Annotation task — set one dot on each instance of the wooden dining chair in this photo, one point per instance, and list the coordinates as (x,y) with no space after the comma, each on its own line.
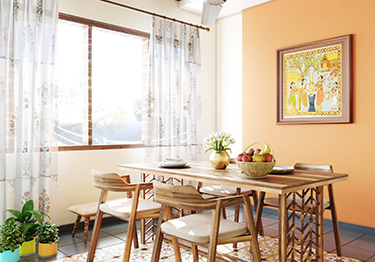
(128,209)
(226,191)
(148,226)
(327,204)
(201,229)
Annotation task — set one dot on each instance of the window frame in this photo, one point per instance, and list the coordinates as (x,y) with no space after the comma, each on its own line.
(92,23)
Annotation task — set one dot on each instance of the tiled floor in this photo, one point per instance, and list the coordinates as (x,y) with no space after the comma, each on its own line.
(358,242)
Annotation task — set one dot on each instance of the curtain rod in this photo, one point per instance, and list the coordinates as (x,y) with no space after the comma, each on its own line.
(154,14)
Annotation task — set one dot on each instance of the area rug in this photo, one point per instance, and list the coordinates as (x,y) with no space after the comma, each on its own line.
(268,249)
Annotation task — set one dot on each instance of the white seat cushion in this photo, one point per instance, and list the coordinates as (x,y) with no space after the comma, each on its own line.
(121,208)
(197,228)
(222,191)
(85,210)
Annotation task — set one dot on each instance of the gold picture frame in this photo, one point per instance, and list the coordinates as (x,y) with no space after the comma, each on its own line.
(314,82)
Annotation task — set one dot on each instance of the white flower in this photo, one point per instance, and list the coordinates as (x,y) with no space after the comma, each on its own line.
(219,141)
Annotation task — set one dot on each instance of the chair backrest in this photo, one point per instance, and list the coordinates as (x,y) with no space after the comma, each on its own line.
(111,181)
(181,196)
(313,167)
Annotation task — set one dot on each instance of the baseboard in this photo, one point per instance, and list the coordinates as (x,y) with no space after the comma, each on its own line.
(68,228)
(328,222)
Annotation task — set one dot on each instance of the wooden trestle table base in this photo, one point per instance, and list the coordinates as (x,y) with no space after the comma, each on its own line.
(301,241)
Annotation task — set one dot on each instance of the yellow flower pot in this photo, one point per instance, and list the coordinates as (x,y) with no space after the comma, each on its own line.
(27,248)
(47,250)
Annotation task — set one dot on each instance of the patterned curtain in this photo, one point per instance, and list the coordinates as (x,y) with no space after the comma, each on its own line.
(174,102)
(28,122)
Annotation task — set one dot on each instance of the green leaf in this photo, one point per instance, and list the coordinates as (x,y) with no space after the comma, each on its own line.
(10,220)
(28,206)
(211,148)
(26,227)
(38,215)
(16,213)
(26,215)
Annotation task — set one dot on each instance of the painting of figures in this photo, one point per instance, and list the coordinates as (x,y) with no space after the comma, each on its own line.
(314,82)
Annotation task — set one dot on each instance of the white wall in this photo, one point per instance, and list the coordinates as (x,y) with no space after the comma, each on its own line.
(75,184)
(229,78)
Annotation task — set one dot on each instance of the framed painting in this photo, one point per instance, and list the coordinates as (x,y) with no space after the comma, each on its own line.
(314,82)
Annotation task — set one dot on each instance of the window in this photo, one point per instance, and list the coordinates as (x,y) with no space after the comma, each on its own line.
(104,110)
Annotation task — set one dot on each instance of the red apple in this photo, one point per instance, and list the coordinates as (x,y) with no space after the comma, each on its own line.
(268,157)
(246,158)
(239,157)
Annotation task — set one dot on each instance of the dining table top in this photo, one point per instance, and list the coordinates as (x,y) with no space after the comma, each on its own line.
(202,171)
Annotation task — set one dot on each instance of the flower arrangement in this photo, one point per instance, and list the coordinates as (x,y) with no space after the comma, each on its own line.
(219,141)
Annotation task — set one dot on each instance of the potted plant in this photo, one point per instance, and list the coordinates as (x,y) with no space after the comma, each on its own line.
(48,237)
(28,218)
(10,241)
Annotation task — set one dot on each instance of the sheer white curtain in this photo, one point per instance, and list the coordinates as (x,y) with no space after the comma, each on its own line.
(28,126)
(174,102)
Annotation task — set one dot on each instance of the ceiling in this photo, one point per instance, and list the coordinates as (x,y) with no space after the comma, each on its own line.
(229,7)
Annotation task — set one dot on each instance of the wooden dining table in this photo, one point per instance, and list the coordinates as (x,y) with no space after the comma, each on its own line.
(296,242)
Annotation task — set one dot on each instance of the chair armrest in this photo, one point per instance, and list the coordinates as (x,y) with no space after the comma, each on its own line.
(146,185)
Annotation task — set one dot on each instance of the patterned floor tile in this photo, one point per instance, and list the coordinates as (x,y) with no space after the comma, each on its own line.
(268,249)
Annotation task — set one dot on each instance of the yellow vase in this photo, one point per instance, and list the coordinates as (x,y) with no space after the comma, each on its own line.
(219,159)
(27,248)
(47,250)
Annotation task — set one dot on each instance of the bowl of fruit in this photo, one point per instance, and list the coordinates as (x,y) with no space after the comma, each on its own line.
(256,162)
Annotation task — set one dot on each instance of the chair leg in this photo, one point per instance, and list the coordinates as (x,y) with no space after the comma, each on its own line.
(335,222)
(135,237)
(194,249)
(224,213)
(259,223)
(157,246)
(176,248)
(159,238)
(132,227)
(143,231)
(128,242)
(78,219)
(95,236)
(236,219)
(86,229)
(214,232)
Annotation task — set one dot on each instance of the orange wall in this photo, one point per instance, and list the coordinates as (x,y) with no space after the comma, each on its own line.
(350,148)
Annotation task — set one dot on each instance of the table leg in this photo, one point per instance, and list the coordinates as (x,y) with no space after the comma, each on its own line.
(258,213)
(320,229)
(283,220)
